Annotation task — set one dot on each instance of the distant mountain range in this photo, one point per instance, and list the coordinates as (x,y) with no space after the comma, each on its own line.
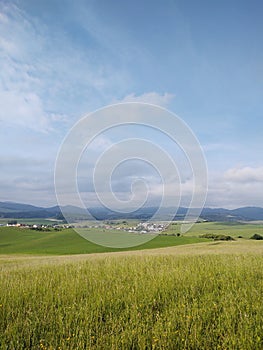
(26,211)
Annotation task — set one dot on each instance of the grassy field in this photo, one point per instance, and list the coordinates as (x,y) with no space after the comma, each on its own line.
(169,298)
(235,229)
(204,295)
(25,241)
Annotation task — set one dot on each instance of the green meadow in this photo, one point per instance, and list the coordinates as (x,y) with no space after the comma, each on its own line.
(15,240)
(133,301)
(57,292)
(234,229)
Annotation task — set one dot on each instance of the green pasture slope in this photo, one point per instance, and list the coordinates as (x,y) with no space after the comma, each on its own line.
(25,241)
(234,229)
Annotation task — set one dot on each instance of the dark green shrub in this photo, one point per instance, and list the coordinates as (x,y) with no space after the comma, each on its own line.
(217,237)
(223,238)
(257,237)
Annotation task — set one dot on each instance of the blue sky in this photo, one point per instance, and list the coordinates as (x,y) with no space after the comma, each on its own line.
(203,60)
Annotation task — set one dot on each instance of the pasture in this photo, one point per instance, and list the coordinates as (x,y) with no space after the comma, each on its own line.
(15,240)
(234,229)
(200,296)
(203,295)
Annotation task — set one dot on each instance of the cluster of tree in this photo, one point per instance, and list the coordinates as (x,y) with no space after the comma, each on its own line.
(217,237)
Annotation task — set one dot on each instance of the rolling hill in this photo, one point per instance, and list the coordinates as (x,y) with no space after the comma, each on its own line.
(27,211)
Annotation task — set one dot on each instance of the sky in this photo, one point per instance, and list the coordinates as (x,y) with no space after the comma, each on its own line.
(201,60)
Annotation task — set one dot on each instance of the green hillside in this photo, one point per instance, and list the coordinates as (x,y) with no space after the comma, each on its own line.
(25,241)
(15,240)
(234,229)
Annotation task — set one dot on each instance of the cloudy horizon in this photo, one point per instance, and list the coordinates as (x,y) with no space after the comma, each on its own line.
(63,60)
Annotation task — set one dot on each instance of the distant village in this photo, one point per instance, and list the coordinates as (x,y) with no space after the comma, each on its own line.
(141,227)
(145,227)
(36,226)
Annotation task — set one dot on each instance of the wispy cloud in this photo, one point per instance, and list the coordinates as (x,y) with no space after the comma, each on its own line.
(55,70)
(21,88)
(24,109)
(154,98)
(45,77)
(245,175)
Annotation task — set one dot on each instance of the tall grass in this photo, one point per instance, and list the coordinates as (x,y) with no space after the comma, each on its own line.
(134,302)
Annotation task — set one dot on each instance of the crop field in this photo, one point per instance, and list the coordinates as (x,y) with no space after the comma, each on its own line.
(176,298)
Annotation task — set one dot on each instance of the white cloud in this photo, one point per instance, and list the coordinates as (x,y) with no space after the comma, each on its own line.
(21,101)
(24,110)
(45,76)
(236,187)
(100,144)
(150,97)
(36,193)
(3,18)
(245,175)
